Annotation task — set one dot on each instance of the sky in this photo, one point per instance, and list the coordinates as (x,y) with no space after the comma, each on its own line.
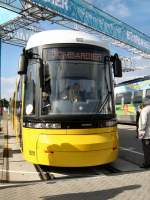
(135,13)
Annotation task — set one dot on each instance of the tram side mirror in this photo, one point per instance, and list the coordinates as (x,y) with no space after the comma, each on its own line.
(117,65)
(23,63)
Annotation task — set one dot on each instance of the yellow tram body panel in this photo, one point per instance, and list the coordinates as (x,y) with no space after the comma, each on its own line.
(70,147)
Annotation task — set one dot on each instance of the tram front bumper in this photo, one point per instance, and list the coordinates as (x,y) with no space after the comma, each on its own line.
(75,150)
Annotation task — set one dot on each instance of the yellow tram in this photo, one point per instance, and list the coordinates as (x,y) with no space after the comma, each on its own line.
(65,108)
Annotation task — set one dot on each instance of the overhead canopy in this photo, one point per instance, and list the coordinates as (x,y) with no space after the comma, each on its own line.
(86,14)
(6,15)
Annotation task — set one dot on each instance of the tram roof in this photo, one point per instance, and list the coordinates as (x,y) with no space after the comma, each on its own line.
(133,81)
(64,36)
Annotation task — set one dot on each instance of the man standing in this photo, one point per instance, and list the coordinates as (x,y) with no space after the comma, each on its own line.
(137,118)
(144,132)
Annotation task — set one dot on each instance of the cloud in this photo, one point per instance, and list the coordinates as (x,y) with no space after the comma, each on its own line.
(7,87)
(117,8)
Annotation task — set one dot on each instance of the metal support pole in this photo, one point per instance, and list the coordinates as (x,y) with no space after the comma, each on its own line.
(0,80)
(0,68)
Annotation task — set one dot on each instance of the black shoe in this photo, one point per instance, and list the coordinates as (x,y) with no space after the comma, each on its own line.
(145,166)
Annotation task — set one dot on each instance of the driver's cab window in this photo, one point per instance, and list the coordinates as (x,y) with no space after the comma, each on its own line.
(46,90)
(31,80)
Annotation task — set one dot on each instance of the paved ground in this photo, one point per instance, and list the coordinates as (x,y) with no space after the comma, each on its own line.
(15,168)
(132,186)
(2,145)
(130,146)
(1,152)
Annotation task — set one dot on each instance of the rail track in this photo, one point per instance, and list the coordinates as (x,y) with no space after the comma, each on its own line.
(50,173)
(43,172)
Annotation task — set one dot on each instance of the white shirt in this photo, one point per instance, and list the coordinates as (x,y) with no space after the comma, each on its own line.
(144,123)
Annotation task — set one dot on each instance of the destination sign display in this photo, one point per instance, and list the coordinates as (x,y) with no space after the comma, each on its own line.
(76,54)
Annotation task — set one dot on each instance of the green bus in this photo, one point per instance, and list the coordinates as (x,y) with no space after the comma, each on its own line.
(128,97)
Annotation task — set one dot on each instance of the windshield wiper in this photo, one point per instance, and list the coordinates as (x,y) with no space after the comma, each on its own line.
(108,94)
(104,102)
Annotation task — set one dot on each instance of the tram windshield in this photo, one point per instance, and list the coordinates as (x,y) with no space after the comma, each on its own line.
(77,82)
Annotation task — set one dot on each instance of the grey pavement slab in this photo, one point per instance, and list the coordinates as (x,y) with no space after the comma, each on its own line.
(19,169)
(2,145)
(125,166)
(127,186)
(130,146)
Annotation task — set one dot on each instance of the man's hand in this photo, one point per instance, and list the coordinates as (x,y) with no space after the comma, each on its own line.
(141,136)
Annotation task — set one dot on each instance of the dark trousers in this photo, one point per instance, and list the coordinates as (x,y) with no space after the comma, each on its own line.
(137,122)
(146,150)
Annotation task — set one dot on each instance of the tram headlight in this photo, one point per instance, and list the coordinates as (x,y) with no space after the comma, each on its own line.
(38,125)
(42,125)
(53,125)
(111,123)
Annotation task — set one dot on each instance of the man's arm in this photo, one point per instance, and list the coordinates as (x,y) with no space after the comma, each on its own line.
(142,124)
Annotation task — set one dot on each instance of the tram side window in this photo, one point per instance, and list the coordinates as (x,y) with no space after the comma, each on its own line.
(46,91)
(30,89)
(147,96)
(127,97)
(118,99)
(19,100)
(137,98)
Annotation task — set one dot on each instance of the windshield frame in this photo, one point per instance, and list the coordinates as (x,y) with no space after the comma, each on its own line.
(109,71)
